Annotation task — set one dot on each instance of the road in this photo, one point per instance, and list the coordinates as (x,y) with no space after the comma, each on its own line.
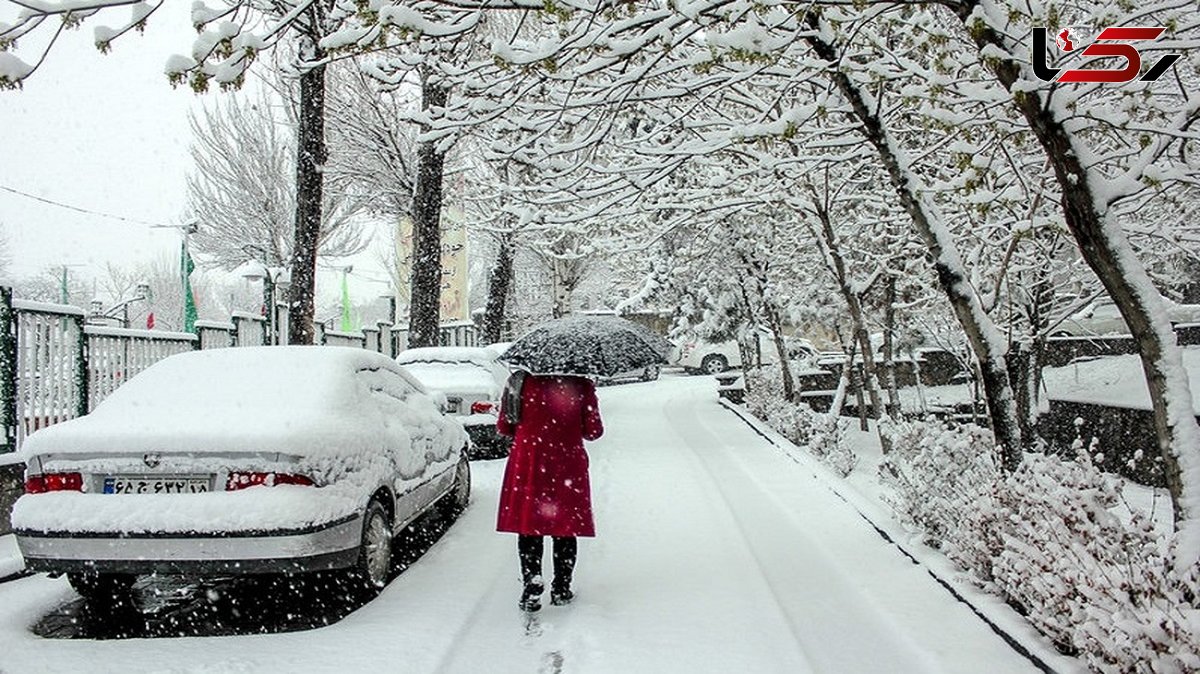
(715,553)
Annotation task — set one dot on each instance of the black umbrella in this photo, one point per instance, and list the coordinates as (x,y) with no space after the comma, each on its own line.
(587,345)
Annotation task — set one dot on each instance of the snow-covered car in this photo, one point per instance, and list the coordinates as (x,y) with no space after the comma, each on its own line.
(241,461)
(714,357)
(1103,318)
(471,379)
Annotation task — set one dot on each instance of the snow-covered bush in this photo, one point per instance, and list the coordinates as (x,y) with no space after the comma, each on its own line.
(1056,540)
(944,480)
(819,433)
(1095,580)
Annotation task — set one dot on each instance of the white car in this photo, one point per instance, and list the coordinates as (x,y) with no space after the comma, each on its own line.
(241,461)
(715,357)
(471,379)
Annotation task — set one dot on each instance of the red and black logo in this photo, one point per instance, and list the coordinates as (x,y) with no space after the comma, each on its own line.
(1110,42)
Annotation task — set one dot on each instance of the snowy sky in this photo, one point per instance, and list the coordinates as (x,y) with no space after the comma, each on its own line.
(109,134)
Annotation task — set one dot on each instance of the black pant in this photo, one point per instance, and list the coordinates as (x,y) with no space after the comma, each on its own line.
(530,550)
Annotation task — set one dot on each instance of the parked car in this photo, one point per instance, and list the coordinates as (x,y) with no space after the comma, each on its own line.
(249,460)
(648,373)
(715,357)
(472,379)
(1103,318)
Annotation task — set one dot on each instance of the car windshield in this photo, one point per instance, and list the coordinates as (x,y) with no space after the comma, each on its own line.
(452,376)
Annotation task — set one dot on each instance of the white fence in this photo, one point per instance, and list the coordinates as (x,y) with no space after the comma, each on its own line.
(56,367)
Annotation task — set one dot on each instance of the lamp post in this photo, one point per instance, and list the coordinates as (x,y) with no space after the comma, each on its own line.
(98,312)
(272,278)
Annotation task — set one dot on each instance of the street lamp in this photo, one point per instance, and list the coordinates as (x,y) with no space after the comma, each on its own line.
(98,312)
(271,277)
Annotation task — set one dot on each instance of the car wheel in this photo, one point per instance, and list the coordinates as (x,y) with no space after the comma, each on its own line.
(460,492)
(103,587)
(651,373)
(714,363)
(370,573)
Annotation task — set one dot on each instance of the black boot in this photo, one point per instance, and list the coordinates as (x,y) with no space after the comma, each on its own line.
(529,549)
(565,550)
(531,596)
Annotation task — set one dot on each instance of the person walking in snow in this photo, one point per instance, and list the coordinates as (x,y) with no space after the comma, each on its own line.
(546,491)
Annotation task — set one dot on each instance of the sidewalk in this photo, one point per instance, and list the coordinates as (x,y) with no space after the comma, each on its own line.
(11,563)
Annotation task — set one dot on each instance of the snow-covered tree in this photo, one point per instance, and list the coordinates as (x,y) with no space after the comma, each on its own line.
(241,185)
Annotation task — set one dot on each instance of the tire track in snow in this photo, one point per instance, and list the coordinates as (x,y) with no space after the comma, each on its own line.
(880,632)
(700,466)
(1010,639)
(453,651)
(681,593)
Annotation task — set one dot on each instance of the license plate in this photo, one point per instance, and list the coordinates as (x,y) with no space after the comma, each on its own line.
(157,484)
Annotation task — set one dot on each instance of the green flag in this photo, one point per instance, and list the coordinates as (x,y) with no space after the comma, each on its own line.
(347,323)
(186,266)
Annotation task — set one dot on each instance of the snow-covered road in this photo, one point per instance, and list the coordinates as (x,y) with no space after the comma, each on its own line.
(716,553)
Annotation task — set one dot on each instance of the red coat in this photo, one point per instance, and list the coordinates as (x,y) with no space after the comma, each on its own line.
(546,490)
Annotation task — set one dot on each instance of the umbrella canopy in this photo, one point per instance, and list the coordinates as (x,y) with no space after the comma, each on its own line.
(587,345)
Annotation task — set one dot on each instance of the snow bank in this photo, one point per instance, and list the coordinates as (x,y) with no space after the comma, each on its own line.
(11,562)
(1117,381)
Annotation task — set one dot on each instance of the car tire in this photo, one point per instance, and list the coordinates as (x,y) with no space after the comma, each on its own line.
(104,587)
(456,501)
(370,572)
(502,448)
(651,373)
(714,363)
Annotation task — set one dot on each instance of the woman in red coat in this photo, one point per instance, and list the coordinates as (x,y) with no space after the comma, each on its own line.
(546,490)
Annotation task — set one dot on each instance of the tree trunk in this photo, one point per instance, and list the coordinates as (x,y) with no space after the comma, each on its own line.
(1020,370)
(776,326)
(562,293)
(839,396)
(1106,249)
(863,338)
(985,340)
(856,380)
(426,284)
(889,346)
(499,283)
(311,154)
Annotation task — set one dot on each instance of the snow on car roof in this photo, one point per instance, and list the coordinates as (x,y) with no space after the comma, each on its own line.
(455,377)
(448,354)
(290,399)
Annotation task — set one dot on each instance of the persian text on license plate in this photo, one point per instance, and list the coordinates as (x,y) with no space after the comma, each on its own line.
(157,484)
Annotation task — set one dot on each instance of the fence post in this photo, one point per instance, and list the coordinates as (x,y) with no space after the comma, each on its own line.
(283,319)
(81,368)
(387,346)
(8,368)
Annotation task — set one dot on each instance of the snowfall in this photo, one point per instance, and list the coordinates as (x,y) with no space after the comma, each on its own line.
(720,548)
